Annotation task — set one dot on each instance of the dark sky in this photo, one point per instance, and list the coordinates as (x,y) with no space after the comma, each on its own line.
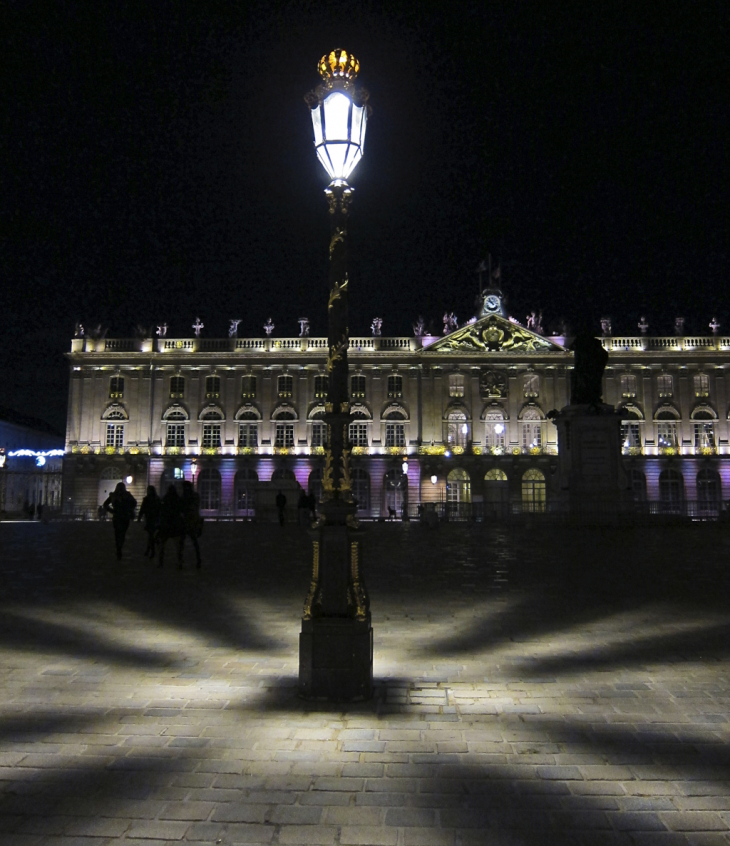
(158,165)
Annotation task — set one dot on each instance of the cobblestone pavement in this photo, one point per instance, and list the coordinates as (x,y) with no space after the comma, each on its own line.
(534,686)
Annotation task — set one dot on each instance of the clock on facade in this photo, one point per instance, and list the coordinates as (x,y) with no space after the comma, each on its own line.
(492,303)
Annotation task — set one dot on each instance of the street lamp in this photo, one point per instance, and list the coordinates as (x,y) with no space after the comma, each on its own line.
(336,640)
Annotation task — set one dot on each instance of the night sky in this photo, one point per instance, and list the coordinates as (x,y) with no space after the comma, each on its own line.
(158,165)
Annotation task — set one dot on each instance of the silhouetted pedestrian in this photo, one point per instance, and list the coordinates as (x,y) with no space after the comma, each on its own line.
(150,510)
(303,508)
(312,500)
(100,513)
(192,523)
(121,505)
(39,510)
(171,521)
(280,506)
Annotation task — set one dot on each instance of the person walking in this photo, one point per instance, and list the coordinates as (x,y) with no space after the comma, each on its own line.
(150,510)
(192,523)
(171,524)
(280,506)
(121,505)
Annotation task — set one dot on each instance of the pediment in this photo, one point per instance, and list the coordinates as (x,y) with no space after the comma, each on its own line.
(493,333)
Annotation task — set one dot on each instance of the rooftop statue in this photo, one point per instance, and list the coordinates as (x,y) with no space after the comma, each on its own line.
(376,326)
(233,328)
(586,381)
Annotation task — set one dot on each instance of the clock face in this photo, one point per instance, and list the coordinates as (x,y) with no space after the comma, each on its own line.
(492,303)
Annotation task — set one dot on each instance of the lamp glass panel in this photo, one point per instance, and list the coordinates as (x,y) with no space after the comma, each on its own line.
(353,156)
(336,117)
(358,124)
(337,153)
(317,124)
(325,159)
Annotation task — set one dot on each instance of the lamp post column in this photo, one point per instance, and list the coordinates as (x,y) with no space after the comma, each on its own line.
(335,644)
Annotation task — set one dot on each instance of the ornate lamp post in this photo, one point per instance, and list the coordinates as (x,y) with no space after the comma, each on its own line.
(335,644)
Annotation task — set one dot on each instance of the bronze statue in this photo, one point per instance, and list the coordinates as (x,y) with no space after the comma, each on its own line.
(586,381)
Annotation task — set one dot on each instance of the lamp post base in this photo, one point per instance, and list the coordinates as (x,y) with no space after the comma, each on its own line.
(336,659)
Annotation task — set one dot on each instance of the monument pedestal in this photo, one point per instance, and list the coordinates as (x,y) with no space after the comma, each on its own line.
(336,639)
(593,482)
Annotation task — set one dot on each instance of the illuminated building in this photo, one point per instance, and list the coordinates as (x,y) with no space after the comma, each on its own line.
(31,455)
(468,410)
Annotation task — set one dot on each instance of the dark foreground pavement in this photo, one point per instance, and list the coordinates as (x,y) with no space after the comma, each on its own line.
(534,686)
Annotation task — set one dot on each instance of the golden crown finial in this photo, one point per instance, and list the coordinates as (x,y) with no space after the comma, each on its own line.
(339,64)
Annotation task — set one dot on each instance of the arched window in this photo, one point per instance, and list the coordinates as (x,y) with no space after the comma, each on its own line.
(533,490)
(495,438)
(361,488)
(245,487)
(395,492)
(666,430)
(671,491)
(496,493)
(283,473)
(456,429)
(458,493)
(531,430)
(395,431)
(209,489)
(709,491)
(703,430)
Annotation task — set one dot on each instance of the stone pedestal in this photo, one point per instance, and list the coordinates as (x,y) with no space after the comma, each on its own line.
(336,659)
(336,640)
(592,478)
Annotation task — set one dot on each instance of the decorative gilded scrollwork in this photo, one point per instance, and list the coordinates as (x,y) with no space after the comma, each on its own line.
(328,484)
(494,334)
(345,478)
(358,595)
(314,583)
(337,291)
(338,237)
(336,353)
(345,408)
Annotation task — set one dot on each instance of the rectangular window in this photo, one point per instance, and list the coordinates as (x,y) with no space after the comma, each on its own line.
(211,435)
(176,434)
(284,435)
(704,435)
(285,386)
(177,387)
(248,387)
(666,431)
(248,435)
(357,387)
(319,434)
(321,384)
(115,435)
(531,386)
(532,435)
(212,387)
(664,384)
(395,387)
(702,385)
(630,436)
(628,386)
(358,434)
(395,434)
(495,436)
(456,385)
(116,387)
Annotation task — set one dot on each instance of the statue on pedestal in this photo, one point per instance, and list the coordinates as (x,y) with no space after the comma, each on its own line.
(586,382)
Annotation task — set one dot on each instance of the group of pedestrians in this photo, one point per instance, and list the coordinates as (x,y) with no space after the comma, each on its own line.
(173,516)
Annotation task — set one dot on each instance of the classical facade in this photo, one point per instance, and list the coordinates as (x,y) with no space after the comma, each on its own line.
(461,420)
